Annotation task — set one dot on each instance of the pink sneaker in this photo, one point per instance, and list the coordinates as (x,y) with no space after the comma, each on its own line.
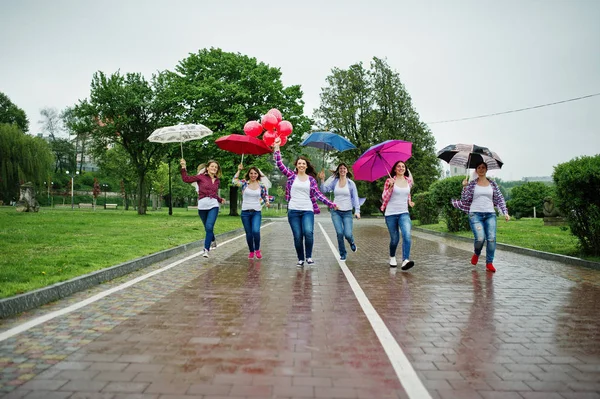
(251,255)
(258,254)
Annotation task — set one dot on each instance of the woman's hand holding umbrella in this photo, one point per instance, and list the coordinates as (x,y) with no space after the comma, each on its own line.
(182,163)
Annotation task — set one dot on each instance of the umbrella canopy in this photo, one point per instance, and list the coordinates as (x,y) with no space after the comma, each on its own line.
(241,144)
(328,141)
(179,134)
(379,160)
(469,156)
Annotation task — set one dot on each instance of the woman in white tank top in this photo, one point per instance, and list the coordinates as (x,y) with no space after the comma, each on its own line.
(395,201)
(254,194)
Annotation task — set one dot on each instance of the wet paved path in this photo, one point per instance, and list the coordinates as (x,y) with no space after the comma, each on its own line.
(231,327)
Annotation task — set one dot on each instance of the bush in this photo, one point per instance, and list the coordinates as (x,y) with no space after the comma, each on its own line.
(577,188)
(527,196)
(443,191)
(425,209)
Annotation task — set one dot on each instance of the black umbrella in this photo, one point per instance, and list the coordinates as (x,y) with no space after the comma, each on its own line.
(469,156)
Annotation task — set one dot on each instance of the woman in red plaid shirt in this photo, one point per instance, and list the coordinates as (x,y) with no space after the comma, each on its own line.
(395,201)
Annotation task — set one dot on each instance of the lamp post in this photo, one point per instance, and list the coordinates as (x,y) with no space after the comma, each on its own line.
(72,180)
(48,185)
(105,187)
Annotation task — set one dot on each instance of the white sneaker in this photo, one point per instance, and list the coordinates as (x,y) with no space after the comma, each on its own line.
(407,264)
(300,263)
(205,253)
(393,262)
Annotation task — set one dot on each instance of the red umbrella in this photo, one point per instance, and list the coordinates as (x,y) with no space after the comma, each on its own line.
(241,144)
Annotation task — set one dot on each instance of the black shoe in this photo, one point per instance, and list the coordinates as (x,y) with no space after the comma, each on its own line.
(342,257)
(300,263)
(309,261)
(353,247)
(407,264)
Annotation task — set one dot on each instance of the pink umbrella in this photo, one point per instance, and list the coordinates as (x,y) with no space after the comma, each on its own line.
(379,160)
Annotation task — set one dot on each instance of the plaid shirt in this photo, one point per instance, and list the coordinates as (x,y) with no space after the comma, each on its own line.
(244,183)
(388,190)
(464,204)
(314,187)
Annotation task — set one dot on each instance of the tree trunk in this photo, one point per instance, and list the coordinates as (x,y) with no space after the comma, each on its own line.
(142,200)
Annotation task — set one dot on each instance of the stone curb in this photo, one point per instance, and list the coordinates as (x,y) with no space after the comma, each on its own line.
(31,300)
(570,260)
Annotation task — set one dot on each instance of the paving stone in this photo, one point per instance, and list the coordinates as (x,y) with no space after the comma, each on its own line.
(227,326)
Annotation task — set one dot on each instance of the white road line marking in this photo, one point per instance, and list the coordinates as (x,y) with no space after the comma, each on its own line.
(47,317)
(406,374)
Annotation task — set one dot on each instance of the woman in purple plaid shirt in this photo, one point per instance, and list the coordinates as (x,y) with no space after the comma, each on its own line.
(478,199)
(301,193)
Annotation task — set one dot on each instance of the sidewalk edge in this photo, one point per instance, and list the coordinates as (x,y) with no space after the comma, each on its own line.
(570,260)
(30,300)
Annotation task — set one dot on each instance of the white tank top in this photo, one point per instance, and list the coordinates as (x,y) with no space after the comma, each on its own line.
(251,199)
(300,196)
(398,202)
(342,197)
(483,199)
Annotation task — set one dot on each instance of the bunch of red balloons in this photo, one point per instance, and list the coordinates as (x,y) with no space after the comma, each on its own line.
(274,126)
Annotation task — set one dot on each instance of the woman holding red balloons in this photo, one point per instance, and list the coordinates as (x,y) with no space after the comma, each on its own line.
(301,192)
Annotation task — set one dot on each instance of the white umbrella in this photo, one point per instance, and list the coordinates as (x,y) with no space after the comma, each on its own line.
(179,134)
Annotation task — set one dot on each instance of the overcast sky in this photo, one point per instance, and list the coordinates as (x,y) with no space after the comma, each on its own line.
(456,58)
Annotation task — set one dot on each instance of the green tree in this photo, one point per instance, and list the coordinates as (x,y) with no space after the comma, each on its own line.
(577,188)
(80,127)
(23,158)
(116,164)
(126,112)
(527,196)
(11,114)
(443,191)
(371,106)
(223,91)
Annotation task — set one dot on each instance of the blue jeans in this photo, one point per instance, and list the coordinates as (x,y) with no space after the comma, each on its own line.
(342,221)
(302,224)
(208,217)
(399,222)
(483,225)
(251,221)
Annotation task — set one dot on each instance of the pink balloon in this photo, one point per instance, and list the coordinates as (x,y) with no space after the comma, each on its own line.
(275,111)
(253,128)
(269,137)
(283,140)
(269,121)
(284,128)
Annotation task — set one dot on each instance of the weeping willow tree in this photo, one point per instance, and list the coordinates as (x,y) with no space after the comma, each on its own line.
(23,158)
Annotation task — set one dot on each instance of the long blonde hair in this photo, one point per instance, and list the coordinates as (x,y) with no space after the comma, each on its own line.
(202,168)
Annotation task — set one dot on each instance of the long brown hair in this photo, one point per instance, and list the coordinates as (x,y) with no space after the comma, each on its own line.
(393,171)
(337,171)
(252,168)
(310,170)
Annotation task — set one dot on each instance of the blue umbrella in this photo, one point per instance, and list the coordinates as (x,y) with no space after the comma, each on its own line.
(328,141)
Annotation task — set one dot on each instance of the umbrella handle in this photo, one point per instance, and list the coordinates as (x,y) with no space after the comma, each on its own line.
(181,144)
(242,158)
(468,162)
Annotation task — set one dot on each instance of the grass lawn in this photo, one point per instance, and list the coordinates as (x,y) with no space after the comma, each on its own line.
(53,245)
(528,233)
